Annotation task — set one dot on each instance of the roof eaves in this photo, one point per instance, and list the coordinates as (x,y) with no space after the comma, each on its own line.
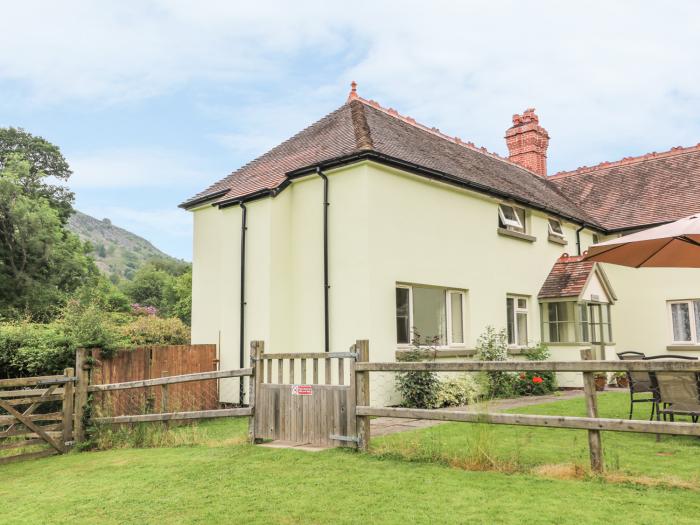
(197,201)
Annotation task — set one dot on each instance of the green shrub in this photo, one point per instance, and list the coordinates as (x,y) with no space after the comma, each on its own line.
(457,391)
(28,349)
(418,389)
(492,346)
(152,330)
(536,383)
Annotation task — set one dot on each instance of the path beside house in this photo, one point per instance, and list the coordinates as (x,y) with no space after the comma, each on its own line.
(383,426)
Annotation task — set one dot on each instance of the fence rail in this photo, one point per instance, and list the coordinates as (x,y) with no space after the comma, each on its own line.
(534,366)
(592,423)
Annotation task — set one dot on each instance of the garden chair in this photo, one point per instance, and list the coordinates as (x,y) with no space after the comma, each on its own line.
(639,383)
(679,392)
(679,388)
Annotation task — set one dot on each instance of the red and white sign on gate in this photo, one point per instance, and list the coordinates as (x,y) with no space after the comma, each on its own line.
(302,390)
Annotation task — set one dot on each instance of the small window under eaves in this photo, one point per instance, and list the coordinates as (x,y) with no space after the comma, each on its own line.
(511,218)
(555,228)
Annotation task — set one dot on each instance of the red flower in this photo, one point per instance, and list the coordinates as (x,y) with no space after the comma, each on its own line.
(537,380)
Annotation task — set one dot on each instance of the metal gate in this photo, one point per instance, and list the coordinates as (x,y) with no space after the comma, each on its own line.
(306,398)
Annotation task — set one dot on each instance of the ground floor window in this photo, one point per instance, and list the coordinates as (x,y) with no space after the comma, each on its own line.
(685,321)
(516,320)
(576,322)
(433,313)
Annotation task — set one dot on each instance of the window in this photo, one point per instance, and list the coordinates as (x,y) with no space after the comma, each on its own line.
(685,321)
(555,229)
(576,322)
(511,218)
(516,320)
(596,239)
(434,314)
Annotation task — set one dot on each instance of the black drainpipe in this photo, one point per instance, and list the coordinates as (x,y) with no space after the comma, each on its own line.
(578,239)
(326,286)
(244,227)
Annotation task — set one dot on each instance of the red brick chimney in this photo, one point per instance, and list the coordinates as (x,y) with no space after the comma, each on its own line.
(527,142)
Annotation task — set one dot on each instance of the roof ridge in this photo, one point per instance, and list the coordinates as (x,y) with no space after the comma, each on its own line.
(432,130)
(363,133)
(626,161)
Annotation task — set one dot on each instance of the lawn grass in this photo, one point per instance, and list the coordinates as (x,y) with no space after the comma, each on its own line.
(219,481)
(674,459)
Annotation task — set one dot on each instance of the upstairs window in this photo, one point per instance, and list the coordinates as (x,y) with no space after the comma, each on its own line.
(433,313)
(511,218)
(685,321)
(555,229)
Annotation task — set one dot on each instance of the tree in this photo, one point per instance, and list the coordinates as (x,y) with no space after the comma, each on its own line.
(44,160)
(151,287)
(40,261)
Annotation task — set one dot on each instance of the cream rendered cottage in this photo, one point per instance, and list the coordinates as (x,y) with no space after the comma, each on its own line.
(368,225)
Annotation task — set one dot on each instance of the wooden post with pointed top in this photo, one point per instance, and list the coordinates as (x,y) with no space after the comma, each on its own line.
(82,374)
(362,396)
(257,349)
(595,444)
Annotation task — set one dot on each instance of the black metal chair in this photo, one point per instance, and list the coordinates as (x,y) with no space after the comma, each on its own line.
(676,393)
(639,383)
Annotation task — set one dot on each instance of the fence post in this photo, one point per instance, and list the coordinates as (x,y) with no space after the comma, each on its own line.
(362,396)
(82,372)
(595,444)
(68,406)
(256,351)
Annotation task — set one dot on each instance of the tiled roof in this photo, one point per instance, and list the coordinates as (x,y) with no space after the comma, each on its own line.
(638,191)
(567,278)
(363,126)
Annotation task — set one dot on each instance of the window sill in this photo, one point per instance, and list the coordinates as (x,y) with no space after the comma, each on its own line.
(516,235)
(683,348)
(557,240)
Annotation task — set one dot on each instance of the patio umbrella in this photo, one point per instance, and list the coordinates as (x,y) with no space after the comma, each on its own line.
(673,245)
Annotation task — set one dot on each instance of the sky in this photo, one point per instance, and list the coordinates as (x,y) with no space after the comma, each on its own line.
(153,100)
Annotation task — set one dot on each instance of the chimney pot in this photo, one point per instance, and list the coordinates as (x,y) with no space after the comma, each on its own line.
(527,142)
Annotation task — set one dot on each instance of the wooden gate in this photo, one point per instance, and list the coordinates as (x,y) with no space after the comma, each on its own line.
(36,416)
(306,398)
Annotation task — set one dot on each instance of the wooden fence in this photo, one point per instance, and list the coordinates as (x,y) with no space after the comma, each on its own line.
(152,362)
(592,423)
(38,416)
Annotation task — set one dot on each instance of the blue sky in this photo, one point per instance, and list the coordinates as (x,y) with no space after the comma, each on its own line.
(151,101)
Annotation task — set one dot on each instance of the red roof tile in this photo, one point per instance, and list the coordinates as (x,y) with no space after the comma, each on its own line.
(638,191)
(364,126)
(567,278)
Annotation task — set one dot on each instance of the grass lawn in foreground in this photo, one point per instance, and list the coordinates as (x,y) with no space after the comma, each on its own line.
(220,482)
(522,448)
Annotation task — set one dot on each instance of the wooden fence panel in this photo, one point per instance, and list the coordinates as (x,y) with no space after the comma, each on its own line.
(153,362)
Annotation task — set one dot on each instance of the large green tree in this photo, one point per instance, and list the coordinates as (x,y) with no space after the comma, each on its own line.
(45,163)
(40,261)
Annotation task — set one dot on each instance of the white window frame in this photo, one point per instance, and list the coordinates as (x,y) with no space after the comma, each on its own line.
(693,329)
(448,314)
(511,223)
(558,234)
(516,311)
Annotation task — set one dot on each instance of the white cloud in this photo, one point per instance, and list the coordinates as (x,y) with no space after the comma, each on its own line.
(136,168)
(608,78)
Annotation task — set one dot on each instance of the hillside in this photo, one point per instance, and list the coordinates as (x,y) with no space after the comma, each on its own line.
(117,252)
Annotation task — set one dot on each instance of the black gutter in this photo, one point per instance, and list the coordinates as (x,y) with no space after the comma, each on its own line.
(201,200)
(326,286)
(578,239)
(241,361)
(394,162)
